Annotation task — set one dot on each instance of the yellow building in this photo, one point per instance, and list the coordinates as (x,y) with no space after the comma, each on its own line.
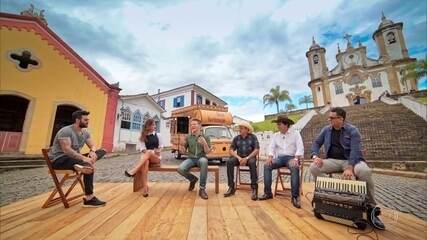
(42,81)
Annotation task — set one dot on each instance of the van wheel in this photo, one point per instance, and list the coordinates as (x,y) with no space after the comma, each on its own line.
(177,155)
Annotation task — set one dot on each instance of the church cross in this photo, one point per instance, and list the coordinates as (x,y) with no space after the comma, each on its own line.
(24,59)
(347,37)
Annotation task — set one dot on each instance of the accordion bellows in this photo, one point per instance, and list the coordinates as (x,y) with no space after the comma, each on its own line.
(341,201)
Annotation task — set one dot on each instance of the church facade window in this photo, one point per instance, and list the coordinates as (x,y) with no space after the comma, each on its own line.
(338,88)
(136,120)
(125,123)
(391,38)
(316,59)
(376,82)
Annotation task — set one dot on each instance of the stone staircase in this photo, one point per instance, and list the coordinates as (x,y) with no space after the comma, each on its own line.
(20,160)
(391,134)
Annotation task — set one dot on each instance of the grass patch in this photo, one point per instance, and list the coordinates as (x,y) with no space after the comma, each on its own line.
(423,100)
(267,125)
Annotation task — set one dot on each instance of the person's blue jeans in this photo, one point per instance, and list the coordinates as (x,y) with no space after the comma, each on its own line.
(281,161)
(202,163)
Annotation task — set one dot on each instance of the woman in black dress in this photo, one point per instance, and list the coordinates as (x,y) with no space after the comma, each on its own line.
(151,147)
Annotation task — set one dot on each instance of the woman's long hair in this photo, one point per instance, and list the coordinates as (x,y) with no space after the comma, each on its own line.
(145,131)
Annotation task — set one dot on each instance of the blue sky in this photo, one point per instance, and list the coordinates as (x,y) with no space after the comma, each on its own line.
(238,50)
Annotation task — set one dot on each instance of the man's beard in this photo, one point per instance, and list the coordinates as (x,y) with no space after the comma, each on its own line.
(83,125)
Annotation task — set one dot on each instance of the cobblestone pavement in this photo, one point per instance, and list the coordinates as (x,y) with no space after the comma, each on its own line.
(399,193)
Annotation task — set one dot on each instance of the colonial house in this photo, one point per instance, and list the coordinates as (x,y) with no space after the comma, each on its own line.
(42,81)
(187,95)
(132,112)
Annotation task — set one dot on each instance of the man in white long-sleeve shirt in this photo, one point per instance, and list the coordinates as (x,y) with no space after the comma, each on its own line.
(286,147)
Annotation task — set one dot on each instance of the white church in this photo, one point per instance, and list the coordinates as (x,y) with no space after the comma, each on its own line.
(358,79)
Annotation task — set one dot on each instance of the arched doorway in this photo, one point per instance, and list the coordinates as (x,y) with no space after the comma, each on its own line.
(13,110)
(62,119)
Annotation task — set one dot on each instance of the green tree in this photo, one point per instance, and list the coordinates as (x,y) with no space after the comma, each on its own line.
(275,96)
(415,70)
(289,107)
(307,99)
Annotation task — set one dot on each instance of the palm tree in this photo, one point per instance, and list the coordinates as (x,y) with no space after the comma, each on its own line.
(289,107)
(307,99)
(276,96)
(415,70)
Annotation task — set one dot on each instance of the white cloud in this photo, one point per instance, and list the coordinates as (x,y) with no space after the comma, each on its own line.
(232,48)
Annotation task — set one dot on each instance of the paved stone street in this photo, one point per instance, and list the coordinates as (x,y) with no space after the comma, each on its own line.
(403,194)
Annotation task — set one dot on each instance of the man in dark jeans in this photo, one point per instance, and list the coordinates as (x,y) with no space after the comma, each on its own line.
(65,154)
(243,150)
(285,150)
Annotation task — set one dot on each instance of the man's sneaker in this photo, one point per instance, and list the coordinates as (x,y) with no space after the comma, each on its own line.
(192,184)
(83,169)
(93,202)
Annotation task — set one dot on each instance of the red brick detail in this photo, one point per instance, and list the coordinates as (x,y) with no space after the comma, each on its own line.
(110,120)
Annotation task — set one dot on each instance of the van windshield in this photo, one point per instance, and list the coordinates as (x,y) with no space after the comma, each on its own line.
(218,132)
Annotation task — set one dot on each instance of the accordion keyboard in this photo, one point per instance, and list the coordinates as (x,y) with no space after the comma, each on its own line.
(340,185)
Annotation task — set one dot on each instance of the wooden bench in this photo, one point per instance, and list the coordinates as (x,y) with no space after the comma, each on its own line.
(137,179)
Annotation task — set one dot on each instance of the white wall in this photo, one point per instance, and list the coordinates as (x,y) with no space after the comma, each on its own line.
(394,50)
(129,136)
(319,95)
(340,100)
(416,107)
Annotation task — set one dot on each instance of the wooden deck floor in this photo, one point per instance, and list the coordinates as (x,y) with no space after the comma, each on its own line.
(171,212)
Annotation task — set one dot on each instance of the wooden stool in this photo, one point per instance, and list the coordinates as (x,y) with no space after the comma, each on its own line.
(59,183)
(238,181)
(284,171)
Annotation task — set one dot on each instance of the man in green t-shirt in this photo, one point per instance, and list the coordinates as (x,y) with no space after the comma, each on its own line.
(196,147)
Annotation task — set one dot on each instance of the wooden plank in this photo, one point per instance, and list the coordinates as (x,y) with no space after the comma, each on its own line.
(104,229)
(92,214)
(243,205)
(116,211)
(54,217)
(181,224)
(198,226)
(284,227)
(234,226)
(129,223)
(32,211)
(148,222)
(171,212)
(164,222)
(173,168)
(297,221)
(215,221)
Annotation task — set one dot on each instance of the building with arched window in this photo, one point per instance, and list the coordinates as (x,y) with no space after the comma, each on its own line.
(42,81)
(132,112)
(357,78)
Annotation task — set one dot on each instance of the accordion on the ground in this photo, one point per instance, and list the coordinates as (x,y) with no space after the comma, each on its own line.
(341,201)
